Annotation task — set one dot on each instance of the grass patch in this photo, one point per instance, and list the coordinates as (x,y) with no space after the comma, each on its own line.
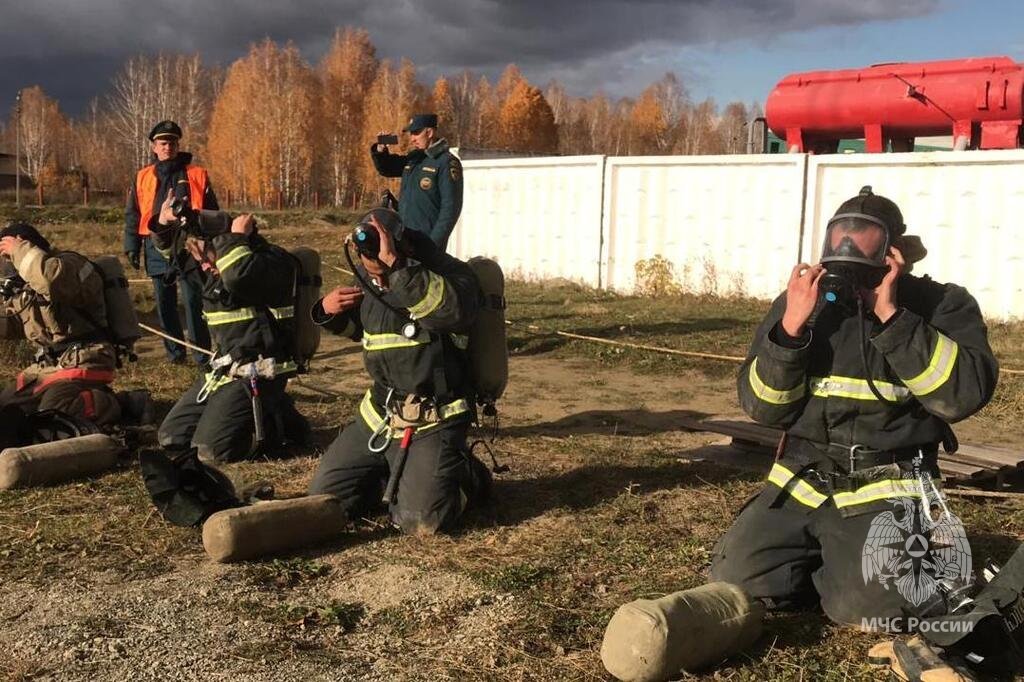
(285,573)
(343,615)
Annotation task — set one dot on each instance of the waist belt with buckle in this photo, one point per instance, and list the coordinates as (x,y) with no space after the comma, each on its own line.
(417,412)
(863,457)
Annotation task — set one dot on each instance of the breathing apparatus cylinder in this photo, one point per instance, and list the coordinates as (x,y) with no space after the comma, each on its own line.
(488,345)
(272,527)
(307,293)
(651,640)
(62,460)
(122,322)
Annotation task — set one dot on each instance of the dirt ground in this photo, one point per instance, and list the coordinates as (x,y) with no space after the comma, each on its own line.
(607,500)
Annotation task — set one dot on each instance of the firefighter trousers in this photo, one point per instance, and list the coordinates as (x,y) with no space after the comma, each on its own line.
(439,481)
(792,556)
(89,400)
(221,427)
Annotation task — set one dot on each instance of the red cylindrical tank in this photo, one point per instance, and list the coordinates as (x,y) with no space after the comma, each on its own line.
(980,99)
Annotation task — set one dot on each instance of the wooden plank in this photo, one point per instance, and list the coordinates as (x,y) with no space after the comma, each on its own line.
(971,465)
(995,456)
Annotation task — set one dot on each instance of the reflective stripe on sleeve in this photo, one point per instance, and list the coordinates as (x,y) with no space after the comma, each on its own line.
(773,395)
(283,313)
(233,256)
(939,368)
(431,300)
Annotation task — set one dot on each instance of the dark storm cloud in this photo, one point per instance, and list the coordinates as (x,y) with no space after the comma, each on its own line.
(72,47)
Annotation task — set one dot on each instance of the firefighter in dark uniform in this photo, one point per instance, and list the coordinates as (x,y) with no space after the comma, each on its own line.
(866,394)
(172,170)
(430,199)
(247,287)
(412,423)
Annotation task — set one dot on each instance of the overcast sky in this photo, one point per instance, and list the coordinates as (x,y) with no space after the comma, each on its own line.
(726,49)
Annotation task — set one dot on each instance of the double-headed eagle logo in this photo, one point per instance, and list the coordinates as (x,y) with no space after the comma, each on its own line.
(908,549)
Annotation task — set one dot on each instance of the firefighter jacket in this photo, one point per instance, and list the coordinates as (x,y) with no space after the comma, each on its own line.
(61,311)
(441,295)
(430,198)
(931,362)
(248,297)
(149,191)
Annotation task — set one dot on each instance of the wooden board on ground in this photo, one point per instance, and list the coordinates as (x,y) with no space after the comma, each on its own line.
(972,465)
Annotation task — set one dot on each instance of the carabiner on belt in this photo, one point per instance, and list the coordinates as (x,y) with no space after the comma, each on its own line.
(384,430)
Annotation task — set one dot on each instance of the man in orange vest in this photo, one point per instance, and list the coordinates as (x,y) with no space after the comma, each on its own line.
(171,171)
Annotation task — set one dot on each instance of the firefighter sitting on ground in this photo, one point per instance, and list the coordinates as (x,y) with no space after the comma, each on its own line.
(412,319)
(248,288)
(56,299)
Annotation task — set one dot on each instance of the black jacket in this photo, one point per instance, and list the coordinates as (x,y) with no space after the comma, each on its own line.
(249,301)
(442,295)
(931,361)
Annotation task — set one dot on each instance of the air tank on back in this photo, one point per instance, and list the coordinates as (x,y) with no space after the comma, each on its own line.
(978,101)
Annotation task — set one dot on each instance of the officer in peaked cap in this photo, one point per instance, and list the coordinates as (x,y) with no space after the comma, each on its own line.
(165,130)
(171,170)
(430,199)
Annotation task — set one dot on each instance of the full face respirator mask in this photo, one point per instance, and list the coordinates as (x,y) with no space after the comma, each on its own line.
(857,241)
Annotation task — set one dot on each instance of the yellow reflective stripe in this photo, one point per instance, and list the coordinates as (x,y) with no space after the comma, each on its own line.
(283,313)
(939,369)
(229,316)
(214,382)
(879,490)
(369,413)
(233,256)
(461,341)
(376,342)
(773,395)
(801,491)
(452,409)
(286,367)
(855,389)
(431,300)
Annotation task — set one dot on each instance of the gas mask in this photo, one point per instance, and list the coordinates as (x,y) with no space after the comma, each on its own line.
(365,236)
(857,242)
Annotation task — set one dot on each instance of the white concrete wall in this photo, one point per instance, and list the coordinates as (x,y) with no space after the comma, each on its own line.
(729,224)
(540,218)
(737,224)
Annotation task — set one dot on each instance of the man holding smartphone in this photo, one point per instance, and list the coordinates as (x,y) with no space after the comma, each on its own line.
(430,199)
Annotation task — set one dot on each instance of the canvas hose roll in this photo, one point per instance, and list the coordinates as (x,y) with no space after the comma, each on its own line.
(651,640)
(57,462)
(273,527)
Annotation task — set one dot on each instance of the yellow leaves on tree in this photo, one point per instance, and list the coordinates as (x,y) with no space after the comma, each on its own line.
(44,134)
(526,122)
(648,124)
(393,97)
(347,72)
(264,124)
(443,104)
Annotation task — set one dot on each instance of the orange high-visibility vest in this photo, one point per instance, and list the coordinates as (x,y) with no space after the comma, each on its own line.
(146,183)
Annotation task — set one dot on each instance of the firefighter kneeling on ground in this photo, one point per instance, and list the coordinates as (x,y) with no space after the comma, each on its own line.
(248,288)
(866,367)
(56,300)
(413,313)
